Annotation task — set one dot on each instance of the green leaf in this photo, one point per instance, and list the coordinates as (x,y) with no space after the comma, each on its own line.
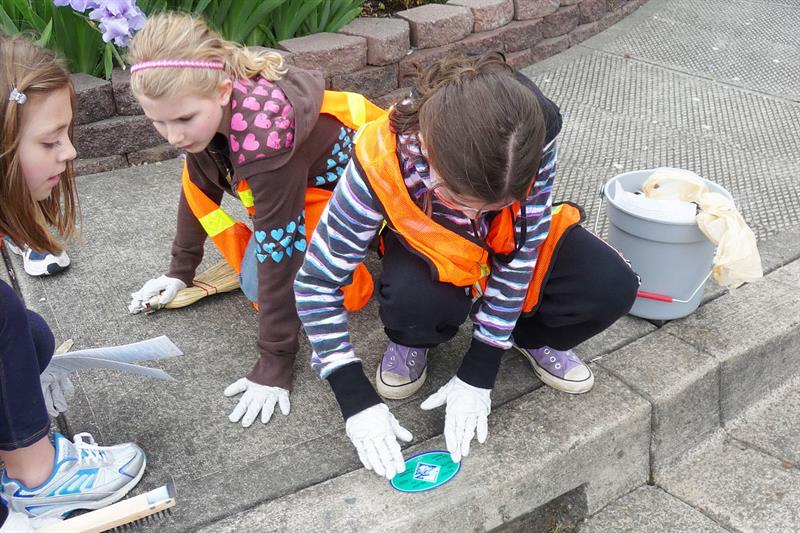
(337,23)
(108,60)
(6,22)
(44,38)
(120,60)
(26,9)
(201,6)
(293,14)
(221,13)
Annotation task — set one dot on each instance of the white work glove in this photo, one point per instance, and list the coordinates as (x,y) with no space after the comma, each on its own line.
(57,390)
(256,398)
(156,292)
(466,412)
(374,432)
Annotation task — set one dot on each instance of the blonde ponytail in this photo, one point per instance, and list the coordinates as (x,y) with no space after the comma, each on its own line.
(246,63)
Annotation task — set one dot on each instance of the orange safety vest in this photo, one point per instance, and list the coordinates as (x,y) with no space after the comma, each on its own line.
(232,237)
(454,258)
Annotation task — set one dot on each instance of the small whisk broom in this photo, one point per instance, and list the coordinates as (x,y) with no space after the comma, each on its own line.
(217,279)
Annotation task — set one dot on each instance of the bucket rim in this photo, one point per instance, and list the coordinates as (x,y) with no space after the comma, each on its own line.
(723,191)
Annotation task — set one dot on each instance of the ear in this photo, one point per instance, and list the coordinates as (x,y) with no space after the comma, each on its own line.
(423,148)
(224,90)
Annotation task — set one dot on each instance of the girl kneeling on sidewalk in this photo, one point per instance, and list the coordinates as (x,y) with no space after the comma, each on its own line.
(457,181)
(268,134)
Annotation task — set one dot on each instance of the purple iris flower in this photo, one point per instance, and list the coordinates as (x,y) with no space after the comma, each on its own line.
(118,19)
(78,5)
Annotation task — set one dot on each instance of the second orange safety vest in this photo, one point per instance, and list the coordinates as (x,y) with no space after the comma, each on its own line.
(462,260)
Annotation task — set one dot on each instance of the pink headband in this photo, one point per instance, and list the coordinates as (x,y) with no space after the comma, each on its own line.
(177,63)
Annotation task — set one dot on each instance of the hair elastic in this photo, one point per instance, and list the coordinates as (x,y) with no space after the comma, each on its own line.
(17,96)
(177,63)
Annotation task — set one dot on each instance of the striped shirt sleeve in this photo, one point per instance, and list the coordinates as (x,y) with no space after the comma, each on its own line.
(340,243)
(503,299)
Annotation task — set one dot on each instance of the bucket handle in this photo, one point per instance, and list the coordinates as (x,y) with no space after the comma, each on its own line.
(602,193)
(670,299)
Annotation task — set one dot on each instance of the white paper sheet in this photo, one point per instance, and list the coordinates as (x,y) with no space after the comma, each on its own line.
(120,358)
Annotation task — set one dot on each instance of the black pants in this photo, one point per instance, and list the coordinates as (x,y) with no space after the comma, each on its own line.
(26,346)
(589,288)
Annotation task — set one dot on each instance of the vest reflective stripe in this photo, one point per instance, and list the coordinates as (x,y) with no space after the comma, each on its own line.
(359,113)
(246,196)
(216,222)
(229,235)
(454,258)
(232,237)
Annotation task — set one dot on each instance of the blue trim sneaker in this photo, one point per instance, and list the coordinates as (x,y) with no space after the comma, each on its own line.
(37,264)
(85,476)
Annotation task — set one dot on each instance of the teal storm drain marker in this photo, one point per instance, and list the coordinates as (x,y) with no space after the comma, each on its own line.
(426,471)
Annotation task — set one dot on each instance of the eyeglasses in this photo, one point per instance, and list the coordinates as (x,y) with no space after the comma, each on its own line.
(441,192)
(444,195)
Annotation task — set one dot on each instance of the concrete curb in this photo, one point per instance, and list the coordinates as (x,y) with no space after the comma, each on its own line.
(541,446)
(655,401)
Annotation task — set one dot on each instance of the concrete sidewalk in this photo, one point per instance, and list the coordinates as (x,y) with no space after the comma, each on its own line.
(710,86)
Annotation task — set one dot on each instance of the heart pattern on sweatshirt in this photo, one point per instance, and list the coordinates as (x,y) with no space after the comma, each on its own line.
(263,122)
(281,242)
(337,160)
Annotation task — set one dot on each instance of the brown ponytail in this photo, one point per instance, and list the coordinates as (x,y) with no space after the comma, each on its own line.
(483,129)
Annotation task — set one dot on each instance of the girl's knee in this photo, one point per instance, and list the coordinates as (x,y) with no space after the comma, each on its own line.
(423,303)
(43,339)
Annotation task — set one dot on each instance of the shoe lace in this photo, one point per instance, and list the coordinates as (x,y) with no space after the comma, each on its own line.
(391,362)
(88,448)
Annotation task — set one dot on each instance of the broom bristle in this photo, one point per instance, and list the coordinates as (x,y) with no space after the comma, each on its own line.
(219,278)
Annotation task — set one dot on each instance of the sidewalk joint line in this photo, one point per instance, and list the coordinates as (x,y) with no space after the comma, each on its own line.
(761,450)
(652,402)
(702,512)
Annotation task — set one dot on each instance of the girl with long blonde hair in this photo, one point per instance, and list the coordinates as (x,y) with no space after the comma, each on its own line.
(267,133)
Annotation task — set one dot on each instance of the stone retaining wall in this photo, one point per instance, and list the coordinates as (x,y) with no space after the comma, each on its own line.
(372,56)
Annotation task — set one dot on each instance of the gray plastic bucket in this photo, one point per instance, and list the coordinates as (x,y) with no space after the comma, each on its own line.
(673,259)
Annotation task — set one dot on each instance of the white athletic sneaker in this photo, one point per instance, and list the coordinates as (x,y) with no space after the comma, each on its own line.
(37,264)
(85,476)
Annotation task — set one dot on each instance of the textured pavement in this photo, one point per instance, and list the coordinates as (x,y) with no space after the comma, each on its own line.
(711,86)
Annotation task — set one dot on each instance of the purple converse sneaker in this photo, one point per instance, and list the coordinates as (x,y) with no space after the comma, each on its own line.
(562,370)
(402,372)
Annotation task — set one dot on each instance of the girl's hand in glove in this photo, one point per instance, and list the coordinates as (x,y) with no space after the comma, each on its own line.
(374,432)
(467,410)
(256,398)
(157,292)
(57,390)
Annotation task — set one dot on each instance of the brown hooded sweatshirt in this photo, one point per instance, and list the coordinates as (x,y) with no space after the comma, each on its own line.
(280,144)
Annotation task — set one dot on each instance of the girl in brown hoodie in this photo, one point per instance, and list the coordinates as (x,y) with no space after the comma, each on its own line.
(239,115)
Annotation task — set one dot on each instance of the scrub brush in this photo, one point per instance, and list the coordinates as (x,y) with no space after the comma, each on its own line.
(125,515)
